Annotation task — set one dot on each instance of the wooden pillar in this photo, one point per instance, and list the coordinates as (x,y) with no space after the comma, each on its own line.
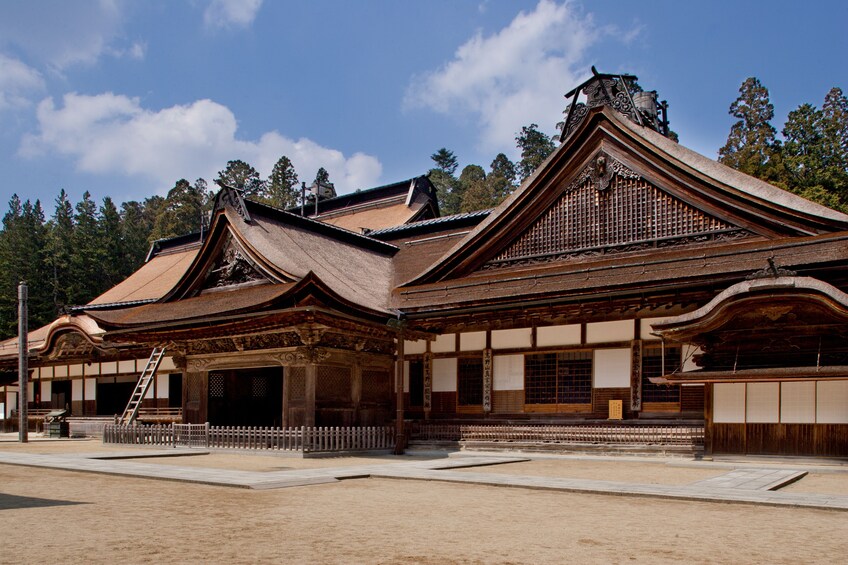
(356,388)
(427,364)
(195,396)
(309,400)
(400,442)
(286,397)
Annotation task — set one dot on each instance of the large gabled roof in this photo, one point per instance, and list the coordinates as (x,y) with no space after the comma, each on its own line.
(718,191)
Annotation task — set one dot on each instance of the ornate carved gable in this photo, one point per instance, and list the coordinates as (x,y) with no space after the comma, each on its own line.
(232,267)
(608,208)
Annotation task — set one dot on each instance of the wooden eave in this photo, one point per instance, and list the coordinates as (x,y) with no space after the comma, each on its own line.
(782,374)
(639,275)
(603,131)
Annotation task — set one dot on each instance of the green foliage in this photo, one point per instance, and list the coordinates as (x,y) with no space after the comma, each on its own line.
(182,212)
(751,144)
(447,191)
(282,185)
(322,176)
(241,175)
(445,160)
(475,193)
(535,147)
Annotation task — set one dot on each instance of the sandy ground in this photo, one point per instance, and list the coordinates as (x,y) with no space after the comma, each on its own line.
(626,471)
(61,516)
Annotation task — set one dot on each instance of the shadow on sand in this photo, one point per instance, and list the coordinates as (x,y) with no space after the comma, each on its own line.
(12,502)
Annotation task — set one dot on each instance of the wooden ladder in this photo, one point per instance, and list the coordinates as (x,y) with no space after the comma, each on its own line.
(143,385)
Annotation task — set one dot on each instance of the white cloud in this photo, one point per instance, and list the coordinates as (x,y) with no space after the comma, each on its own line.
(231,13)
(513,77)
(59,34)
(112,134)
(17,82)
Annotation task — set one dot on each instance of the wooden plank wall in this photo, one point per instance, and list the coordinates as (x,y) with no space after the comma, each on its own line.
(830,440)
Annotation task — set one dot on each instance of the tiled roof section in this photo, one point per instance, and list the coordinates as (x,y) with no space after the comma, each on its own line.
(442,222)
(153,280)
(212,304)
(373,218)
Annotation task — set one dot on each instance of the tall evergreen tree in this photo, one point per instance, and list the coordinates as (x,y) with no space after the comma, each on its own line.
(113,244)
(134,233)
(445,160)
(475,190)
(87,278)
(535,147)
(282,186)
(322,176)
(59,249)
(835,140)
(241,175)
(501,178)
(751,145)
(182,213)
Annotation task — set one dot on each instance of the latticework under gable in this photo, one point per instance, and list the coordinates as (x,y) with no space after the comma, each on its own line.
(621,213)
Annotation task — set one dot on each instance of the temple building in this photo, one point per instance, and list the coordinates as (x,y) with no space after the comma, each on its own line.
(626,268)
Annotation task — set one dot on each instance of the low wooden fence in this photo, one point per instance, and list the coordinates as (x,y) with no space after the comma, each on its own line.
(577,433)
(303,439)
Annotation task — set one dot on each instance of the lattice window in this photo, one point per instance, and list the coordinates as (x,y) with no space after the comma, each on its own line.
(574,377)
(652,366)
(333,383)
(297,382)
(259,386)
(629,213)
(217,385)
(376,386)
(469,382)
(416,383)
(540,378)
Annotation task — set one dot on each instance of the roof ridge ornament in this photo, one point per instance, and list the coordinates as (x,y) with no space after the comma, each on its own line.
(772,271)
(233,197)
(620,92)
(600,172)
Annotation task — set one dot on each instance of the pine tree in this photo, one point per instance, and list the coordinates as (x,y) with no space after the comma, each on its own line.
(445,160)
(134,234)
(113,244)
(835,141)
(87,277)
(182,212)
(475,190)
(59,249)
(322,176)
(241,175)
(501,178)
(282,190)
(751,146)
(535,147)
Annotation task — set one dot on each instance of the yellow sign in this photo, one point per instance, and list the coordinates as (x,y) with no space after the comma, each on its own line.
(615,410)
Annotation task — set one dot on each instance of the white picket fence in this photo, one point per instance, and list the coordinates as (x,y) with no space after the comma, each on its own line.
(303,439)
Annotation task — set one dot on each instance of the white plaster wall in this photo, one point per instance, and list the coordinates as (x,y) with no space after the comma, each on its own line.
(645,328)
(547,336)
(126,366)
(91,389)
(76,389)
(472,341)
(109,368)
(444,344)
(508,339)
(832,402)
(508,372)
(611,368)
(162,382)
(30,392)
(798,403)
(444,375)
(414,347)
(167,364)
(60,371)
(45,372)
(762,403)
(729,403)
(46,389)
(689,352)
(604,332)
(75,370)
(405,377)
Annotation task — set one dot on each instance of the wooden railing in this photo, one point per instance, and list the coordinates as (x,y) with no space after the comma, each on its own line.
(578,433)
(303,439)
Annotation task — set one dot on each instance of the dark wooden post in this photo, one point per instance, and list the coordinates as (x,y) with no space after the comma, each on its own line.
(309,398)
(23,368)
(399,431)
(356,387)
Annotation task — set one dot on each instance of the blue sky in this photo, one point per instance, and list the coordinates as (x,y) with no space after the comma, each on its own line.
(123,98)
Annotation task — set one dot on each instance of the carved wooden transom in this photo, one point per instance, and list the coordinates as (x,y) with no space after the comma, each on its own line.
(609,208)
(232,267)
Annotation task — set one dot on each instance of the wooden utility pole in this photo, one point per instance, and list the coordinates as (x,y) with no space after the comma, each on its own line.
(23,369)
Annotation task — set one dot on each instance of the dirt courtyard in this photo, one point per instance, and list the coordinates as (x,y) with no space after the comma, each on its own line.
(61,516)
